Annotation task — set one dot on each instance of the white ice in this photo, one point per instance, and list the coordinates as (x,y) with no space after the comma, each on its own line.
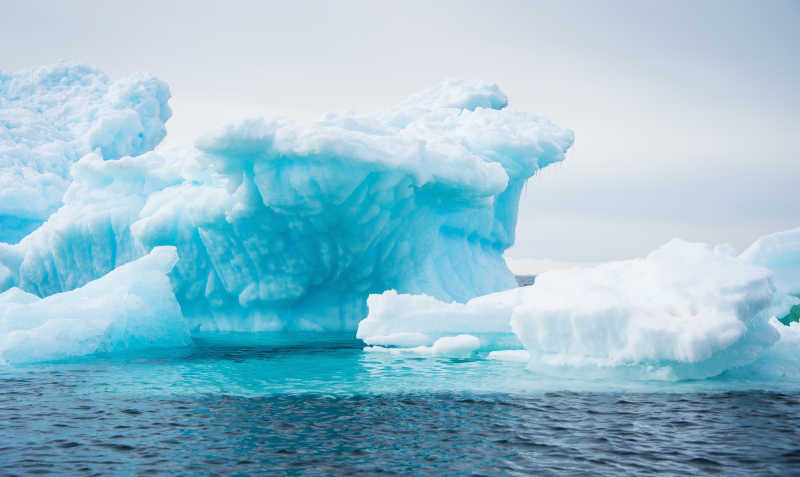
(685,311)
(448,346)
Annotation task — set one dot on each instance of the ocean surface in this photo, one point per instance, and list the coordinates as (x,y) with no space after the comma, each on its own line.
(319,405)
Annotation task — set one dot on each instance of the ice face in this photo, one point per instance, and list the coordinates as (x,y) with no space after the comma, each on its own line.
(780,252)
(52,116)
(130,309)
(685,311)
(281,224)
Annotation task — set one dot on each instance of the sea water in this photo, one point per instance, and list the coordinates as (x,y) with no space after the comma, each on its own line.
(320,405)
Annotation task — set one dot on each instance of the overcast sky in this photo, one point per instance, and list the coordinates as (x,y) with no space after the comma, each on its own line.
(686,115)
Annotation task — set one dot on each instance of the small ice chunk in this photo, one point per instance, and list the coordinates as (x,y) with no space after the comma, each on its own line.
(131,308)
(450,346)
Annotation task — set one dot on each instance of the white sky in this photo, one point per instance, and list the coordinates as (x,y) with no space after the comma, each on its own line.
(686,114)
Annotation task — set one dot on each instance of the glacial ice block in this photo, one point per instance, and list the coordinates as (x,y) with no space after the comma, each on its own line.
(780,252)
(50,117)
(400,320)
(132,308)
(447,346)
(781,361)
(284,224)
(685,311)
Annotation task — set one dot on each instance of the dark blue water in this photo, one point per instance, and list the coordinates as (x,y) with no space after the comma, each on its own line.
(327,408)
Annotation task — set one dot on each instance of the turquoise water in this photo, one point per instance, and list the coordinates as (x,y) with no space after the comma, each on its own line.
(318,404)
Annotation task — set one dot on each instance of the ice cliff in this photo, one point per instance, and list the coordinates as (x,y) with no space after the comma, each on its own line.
(277,223)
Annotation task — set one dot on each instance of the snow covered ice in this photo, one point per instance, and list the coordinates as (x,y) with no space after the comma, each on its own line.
(686,310)
(52,116)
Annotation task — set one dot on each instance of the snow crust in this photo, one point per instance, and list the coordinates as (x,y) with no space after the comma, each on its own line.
(132,308)
(51,116)
(284,224)
(686,311)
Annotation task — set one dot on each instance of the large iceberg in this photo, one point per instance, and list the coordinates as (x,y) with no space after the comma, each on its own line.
(52,116)
(283,224)
(130,309)
(685,311)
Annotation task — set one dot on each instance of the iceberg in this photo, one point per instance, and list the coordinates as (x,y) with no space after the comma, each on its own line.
(52,116)
(686,311)
(130,309)
(290,225)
